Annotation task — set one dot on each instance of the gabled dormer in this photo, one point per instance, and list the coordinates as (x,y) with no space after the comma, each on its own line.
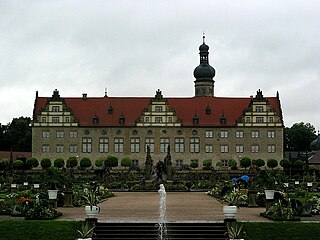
(55,113)
(158,113)
(260,113)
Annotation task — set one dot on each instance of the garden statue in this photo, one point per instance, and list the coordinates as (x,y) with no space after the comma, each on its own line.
(148,165)
(160,170)
(168,165)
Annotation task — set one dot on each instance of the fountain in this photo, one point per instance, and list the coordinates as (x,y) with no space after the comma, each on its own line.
(162,231)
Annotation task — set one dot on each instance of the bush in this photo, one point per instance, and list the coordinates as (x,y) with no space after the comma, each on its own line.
(85,162)
(260,162)
(99,162)
(194,164)
(245,162)
(4,164)
(298,164)
(58,163)
(111,161)
(126,162)
(32,163)
(285,163)
(207,163)
(72,162)
(272,163)
(45,163)
(232,164)
(18,164)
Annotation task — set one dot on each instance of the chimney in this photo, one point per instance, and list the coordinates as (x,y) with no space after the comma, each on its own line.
(84,96)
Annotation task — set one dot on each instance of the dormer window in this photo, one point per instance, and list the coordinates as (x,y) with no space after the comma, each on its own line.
(95,120)
(158,108)
(223,119)
(110,110)
(122,119)
(259,109)
(195,120)
(208,110)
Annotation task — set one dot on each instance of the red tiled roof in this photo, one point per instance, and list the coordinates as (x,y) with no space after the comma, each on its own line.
(132,107)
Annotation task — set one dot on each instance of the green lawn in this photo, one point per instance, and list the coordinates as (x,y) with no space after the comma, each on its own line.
(67,230)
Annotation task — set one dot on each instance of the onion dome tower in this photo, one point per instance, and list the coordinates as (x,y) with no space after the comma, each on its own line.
(204,73)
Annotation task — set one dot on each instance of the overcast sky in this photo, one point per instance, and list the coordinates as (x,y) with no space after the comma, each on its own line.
(134,47)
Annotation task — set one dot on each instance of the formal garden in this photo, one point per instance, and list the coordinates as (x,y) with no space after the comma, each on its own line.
(25,191)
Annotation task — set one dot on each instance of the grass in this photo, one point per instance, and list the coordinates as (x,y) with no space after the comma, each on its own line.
(40,230)
(281,230)
(67,230)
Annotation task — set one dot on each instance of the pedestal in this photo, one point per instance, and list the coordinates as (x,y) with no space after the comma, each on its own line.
(252,198)
(269,203)
(68,199)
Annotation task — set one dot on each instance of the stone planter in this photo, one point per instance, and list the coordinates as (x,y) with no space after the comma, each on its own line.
(230,212)
(269,194)
(92,211)
(53,194)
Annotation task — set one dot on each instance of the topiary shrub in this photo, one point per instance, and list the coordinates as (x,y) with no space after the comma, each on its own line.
(207,163)
(285,163)
(99,162)
(126,162)
(18,164)
(45,163)
(85,162)
(72,162)
(260,162)
(4,164)
(298,164)
(111,162)
(59,163)
(245,162)
(32,163)
(194,164)
(232,164)
(272,163)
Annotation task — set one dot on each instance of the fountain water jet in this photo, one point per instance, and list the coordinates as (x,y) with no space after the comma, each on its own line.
(162,231)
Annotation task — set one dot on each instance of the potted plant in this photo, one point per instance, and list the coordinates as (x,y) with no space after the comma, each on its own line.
(235,231)
(53,180)
(234,199)
(86,231)
(91,208)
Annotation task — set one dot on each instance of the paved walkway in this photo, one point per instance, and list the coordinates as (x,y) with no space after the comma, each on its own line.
(144,206)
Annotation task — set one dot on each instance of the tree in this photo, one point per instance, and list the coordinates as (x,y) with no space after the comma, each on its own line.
(85,162)
(111,162)
(285,163)
(18,164)
(207,163)
(99,162)
(32,163)
(58,163)
(272,163)
(299,136)
(126,162)
(245,162)
(72,162)
(260,162)
(298,164)
(16,136)
(232,164)
(45,163)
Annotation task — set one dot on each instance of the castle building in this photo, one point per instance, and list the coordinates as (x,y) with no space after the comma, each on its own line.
(196,128)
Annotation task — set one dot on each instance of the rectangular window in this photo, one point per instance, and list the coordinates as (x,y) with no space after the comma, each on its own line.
(179,145)
(86,145)
(209,148)
(255,134)
(224,148)
(73,134)
(158,119)
(170,120)
(118,145)
(259,119)
(223,134)
(271,134)
(194,145)
(59,148)
(45,148)
(209,134)
(164,143)
(248,119)
(103,145)
(73,148)
(44,119)
(67,119)
(239,148)
(259,109)
(60,134)
(254,148)
(135,145)
(150,143)
(45,134)
(224,163)
(146,119)
(158,108)
(55,119)
(55,109)
(270,119)
(271,148)
(239,134)
(179,163)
